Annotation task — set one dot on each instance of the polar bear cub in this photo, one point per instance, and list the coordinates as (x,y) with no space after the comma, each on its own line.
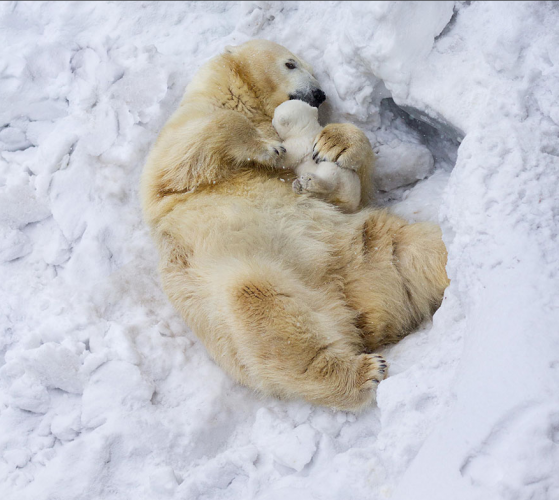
(296,122)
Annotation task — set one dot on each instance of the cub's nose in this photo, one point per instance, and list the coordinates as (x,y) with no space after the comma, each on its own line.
(318,97)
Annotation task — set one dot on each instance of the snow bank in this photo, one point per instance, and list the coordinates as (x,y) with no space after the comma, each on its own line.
(104,393)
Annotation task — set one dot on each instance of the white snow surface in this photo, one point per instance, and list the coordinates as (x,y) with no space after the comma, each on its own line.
(106,394)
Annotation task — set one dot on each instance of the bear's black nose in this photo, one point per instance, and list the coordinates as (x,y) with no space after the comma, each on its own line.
(318,97)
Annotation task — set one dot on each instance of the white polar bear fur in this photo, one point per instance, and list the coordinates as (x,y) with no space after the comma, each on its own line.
(296,122)
(289,295)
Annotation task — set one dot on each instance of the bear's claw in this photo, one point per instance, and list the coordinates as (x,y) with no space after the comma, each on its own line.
(273,151)
(341,143)
(372,371)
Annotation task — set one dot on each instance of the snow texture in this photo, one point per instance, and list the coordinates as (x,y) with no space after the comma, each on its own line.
(106,394)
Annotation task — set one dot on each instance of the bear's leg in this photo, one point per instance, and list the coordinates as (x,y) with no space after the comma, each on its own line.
(236,139)
(349,190)
(397,279)
(421,259)
(296,341)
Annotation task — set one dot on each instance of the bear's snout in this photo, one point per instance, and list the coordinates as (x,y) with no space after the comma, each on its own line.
(315,97)
(318,97)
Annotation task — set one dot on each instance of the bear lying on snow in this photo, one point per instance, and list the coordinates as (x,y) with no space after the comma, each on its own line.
(289,295)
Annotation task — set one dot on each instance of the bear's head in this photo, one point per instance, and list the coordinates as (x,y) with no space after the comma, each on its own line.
(274,74)
(295,118)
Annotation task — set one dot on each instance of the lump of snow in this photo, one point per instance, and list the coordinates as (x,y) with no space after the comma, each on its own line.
(114,386)
(19,206)
(28,393)
(54,365)
(401,163)
(163,481)
(13,244)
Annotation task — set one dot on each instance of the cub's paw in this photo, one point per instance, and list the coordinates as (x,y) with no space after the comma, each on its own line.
(270,153)
(297,186)
(344,144)
(373,369)
(310,183)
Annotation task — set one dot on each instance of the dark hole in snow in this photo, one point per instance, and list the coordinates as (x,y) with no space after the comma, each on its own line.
(440,137)
(415,154)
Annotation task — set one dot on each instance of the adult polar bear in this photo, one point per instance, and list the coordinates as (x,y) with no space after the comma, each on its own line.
(289,295)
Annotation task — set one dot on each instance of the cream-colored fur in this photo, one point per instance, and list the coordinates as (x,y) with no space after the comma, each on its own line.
(289,295)
(296,123)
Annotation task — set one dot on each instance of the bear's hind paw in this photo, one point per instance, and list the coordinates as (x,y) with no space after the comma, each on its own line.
(373,369)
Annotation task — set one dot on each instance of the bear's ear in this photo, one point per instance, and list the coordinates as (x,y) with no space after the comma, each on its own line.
(284,121)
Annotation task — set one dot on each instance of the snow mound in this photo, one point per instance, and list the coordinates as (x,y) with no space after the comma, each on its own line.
(400,163)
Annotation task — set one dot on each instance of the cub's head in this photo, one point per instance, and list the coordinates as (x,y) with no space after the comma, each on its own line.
(274,74)
(295,118)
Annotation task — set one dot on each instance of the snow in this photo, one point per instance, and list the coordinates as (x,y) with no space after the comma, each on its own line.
(399,163)
(105,393)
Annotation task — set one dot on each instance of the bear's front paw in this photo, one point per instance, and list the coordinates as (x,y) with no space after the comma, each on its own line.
(271,154)
(343,144)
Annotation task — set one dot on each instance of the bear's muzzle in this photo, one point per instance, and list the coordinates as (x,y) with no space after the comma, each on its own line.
(315,97)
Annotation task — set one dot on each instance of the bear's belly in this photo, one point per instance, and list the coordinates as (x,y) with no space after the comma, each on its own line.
(300,233)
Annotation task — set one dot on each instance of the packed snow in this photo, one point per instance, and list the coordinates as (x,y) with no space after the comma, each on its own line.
(106,394)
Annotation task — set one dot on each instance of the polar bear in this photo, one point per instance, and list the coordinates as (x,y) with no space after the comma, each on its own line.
(289,295)
(296,123)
